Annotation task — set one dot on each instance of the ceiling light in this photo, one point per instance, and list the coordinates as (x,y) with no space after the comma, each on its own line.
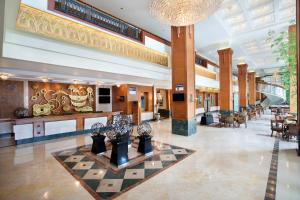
(45,79)
(118,85)
(76,81)
(99,83)
(183,12)
(5,76)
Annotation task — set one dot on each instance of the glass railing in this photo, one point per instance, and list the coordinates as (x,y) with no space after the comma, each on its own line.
(271,89)
(97,17)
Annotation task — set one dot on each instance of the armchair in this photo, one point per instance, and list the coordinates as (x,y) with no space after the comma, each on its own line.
(277,125)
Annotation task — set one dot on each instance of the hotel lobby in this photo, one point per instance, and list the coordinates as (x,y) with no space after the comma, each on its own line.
(149,99)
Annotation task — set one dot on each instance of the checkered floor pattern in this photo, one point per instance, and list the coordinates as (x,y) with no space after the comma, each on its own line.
(105,183)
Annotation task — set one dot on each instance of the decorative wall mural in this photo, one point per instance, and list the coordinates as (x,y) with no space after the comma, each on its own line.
(50,98)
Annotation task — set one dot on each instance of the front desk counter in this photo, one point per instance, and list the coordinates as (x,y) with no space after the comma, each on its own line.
(34,129)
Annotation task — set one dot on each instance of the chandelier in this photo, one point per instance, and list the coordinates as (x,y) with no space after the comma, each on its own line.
(183,12)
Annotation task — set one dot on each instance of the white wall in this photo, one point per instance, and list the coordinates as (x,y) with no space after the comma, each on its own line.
(156,45)
(104,107)
(206,82)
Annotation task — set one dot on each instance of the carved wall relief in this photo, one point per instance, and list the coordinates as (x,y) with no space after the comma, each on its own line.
(54,98)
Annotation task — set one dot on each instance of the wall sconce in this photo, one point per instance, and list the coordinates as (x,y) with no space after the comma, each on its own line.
(5,76)
(76,82)
(44,79)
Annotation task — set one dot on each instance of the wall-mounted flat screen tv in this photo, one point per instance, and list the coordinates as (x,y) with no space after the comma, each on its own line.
(104,91)
(104,99)
(178,97)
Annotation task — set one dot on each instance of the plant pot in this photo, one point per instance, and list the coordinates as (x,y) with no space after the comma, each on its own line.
(98,145)
(119,153)
(145,145)
(157,116)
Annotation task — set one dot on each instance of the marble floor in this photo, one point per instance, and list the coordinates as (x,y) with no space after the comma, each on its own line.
(229,163)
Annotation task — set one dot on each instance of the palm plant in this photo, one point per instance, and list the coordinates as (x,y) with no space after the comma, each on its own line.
(284,48)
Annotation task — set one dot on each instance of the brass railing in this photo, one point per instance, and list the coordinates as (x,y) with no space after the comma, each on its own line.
(97,17)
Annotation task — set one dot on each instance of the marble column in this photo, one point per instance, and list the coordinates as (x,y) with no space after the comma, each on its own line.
(183,80)
(293,78)
(242,78)
(252,88)
(226,91)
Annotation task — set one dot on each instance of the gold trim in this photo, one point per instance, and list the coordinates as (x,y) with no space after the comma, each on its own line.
(208,89)
(45,24)
(202,71)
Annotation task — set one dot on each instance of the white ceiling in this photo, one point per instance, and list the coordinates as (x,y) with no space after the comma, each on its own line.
(241,24)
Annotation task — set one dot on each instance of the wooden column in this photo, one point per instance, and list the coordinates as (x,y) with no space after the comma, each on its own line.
(258,94)
(225,62)
(183,74)
(292,54)
(242,78)
(298,69)
(252,88)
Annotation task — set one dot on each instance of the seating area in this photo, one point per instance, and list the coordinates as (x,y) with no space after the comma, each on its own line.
(284,125)
(236,119)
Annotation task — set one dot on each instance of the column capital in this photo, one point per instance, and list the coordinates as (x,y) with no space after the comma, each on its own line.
(225,51)
(251,73)
(243,65)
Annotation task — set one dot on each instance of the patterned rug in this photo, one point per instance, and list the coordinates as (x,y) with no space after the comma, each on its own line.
(106,181)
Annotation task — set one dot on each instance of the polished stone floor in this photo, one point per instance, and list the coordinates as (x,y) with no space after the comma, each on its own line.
(229,163)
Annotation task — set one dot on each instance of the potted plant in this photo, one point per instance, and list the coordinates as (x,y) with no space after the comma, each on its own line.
(98,137)
(119,136)
(144,131)
(156,114)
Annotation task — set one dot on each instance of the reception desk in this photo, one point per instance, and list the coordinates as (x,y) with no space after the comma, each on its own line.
(34,129)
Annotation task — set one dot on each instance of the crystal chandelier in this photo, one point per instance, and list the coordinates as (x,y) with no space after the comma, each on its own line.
(183,12)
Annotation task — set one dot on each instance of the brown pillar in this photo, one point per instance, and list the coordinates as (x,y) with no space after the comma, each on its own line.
(183,80)
(298,70)
(225,62)
(258,94)
(292,60)
(252,88)
(242,78)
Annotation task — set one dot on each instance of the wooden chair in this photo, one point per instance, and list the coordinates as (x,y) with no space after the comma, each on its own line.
(292,130)
(278,126)
(229,120)
(242,119)
(252,114)
(222,120)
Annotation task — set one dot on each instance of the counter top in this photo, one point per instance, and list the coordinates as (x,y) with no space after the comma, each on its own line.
(64,117)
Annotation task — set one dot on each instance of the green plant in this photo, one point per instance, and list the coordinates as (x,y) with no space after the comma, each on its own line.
(284,48)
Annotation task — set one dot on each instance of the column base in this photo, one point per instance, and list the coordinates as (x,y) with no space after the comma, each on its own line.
(242,108)
(226,112)
(186,127)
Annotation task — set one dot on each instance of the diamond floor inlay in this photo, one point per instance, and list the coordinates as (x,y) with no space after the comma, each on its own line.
(105,181)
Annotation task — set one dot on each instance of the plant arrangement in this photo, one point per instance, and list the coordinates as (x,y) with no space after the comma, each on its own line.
(284,47)
(120,128)
(144,130)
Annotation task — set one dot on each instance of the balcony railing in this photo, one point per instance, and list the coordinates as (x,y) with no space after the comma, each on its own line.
(271,89)
(97,17)
(199,60)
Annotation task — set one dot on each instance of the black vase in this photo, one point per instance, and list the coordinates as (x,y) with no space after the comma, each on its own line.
(145,145)
(98,145)
(119,153)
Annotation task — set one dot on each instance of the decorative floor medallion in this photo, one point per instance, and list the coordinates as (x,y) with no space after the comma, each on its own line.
(106,181)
